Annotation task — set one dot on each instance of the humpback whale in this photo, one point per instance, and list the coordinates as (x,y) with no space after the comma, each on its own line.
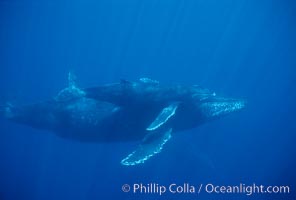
(142,110)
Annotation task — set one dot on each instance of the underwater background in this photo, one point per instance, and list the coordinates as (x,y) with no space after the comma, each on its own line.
(237,48)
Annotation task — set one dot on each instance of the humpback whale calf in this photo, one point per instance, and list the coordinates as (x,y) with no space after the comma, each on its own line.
(142,110)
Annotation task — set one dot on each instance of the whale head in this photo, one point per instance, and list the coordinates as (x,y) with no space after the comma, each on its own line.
(217,107)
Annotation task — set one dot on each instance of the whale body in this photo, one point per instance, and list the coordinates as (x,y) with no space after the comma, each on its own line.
(143,110)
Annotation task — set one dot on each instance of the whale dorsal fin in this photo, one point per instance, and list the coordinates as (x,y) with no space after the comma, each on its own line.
(71,80)
(152,144)
(163,116)
(72,91)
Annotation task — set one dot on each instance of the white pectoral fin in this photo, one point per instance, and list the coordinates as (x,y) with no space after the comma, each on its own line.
(152,144)
(163,116)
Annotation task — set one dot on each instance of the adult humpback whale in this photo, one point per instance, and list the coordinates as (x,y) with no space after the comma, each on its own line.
(125,111)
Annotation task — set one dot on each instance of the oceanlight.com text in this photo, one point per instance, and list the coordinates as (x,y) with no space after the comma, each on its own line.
(246,189)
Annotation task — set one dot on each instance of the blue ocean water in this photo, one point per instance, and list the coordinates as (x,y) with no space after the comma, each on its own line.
(237,48)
